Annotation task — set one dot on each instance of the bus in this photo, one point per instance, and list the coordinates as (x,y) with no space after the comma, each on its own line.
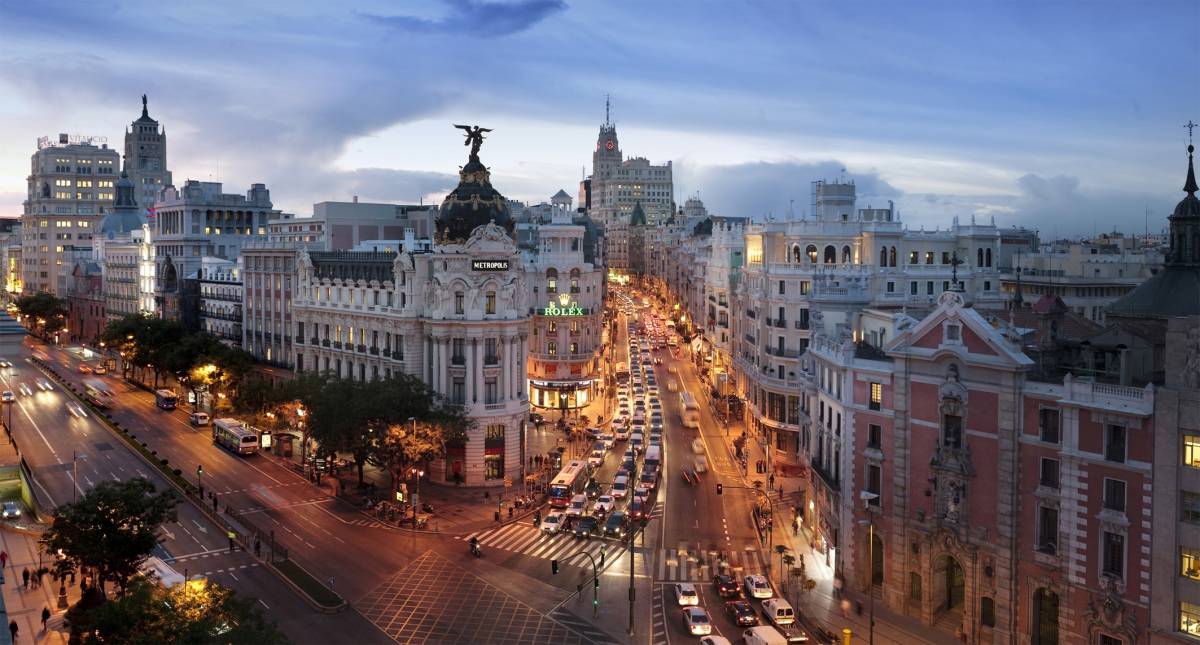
(622,373)
(235,436)
(689,410)
(165,399)
(98,393)
(569,483)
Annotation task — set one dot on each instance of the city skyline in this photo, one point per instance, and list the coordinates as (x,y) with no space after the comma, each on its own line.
(1078,122)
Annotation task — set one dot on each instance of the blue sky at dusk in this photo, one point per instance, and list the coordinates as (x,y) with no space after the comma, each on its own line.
(1063,116)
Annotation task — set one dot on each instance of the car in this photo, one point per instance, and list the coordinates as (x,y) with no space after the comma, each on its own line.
(198,419)
(614,526)
(627,470)
(698,446)
(577,505)
(24,389)
(604,504)
(725,585)
(695,621)
(76,410)
(715,640)
(672,385)
(43,384)
(553,522)
(701,464)
(620,487)
(592,490)
(5,364)
(656,439)
(84,369)
(741,612)
(638,508)
(648,480)
(630,455)
(637,442)
(689,476)
(11,509)
(8,396)
(756,586)
(685,594)
(608,439)
(622,432)
(596,459)
(99,369)
(586,527)
(536,418)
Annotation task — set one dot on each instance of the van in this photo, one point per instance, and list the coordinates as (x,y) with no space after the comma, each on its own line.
(778,611)
(763,635)
(653,456)
(578,505)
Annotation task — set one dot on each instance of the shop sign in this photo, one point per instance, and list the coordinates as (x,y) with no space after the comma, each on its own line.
(489,265)
(565,309)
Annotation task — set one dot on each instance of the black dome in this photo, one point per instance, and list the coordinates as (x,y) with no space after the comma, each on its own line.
(473,203)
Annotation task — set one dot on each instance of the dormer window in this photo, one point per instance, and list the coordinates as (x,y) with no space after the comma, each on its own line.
(953,334)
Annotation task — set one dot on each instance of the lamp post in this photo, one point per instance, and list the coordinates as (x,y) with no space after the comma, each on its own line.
(867,497)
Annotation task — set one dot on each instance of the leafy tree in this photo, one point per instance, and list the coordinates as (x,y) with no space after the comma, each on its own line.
(111,529)
(402,446)
(120,334)
(149,614)
(47,314)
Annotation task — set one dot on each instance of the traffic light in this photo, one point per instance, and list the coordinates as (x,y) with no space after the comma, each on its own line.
(720,488)
(554,567)
(199,470)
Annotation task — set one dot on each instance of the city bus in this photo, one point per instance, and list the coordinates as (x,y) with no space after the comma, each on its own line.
(98,393)
(622,373)
(165,399)
(689,410)
(569,483)
(235,436)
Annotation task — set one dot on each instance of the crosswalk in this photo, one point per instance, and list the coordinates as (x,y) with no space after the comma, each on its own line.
(686,564)
(529,540)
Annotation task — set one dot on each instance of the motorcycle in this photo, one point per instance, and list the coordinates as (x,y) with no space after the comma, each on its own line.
(475,550)
(426,508)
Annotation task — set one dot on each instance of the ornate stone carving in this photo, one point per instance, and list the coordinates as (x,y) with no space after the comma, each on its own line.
(490,238)
(1107,612)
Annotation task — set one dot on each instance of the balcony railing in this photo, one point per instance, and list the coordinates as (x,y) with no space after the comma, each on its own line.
(458,360)
(801,324)
(491,360)
(781,352)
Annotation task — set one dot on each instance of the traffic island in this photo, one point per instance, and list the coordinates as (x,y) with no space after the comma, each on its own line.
(321,597)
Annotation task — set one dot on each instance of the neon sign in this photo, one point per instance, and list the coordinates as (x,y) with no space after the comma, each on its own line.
(564,307)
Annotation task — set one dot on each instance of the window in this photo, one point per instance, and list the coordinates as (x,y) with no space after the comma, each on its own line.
(1047,530)
(912,288)
(1049,473)
(1048,425)
(812,253)
(929,288)
(1113,554)
(987,612)
(551,285)
(914,257)
(489,303)
(929,257)
(805,285)
(1189,618)
(1189,563)
(489,391)
(945,257)
(891,287)
(914,586)
(874,436)
(874,478)
(952,430)
(876,396)
(1190,507)
(574,348)
(1114,444)
(458,391)
(457,357)
(490,357)
(1114,495)
(953,334)
(551,326)
(458,302)
(552,348)
(1191,450)
(782,287)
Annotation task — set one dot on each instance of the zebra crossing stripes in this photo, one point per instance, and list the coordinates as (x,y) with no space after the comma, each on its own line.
(677,566)
(532,541)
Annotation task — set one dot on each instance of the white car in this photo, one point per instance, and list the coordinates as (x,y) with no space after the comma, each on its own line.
(620,487)
(553,522)
(685,594)
(695,621)
(578,503)
(701,464)
(43,384)
(8,396)
(596,458)
(198,419)
(24,389)
(604,504)
(76,410)
(698,446)
(609,439)
(11,510)
(757,587)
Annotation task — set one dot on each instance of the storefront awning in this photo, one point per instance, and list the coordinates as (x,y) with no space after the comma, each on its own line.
(577,385)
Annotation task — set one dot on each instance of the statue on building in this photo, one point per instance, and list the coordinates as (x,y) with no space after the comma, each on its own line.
(474,139)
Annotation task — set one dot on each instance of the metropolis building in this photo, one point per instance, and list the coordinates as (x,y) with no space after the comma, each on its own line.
(456,315)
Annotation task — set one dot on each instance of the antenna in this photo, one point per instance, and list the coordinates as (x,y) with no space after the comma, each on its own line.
(607,120)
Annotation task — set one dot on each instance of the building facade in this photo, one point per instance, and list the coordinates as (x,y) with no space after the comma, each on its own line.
(71,184)
(146,157)
(220,287)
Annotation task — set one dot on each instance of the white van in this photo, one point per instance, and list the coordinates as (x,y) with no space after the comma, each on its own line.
(778,611)
(653,456)
(578,505)
(763,635)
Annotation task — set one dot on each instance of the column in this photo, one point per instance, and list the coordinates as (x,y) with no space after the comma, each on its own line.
(502,380)
(469,359)
(520,367)
(443,372)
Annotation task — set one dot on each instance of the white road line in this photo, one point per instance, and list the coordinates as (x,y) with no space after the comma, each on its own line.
(264,604)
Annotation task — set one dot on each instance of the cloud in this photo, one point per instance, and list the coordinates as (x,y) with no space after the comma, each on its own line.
(478,17)
(387,185)
(760,188)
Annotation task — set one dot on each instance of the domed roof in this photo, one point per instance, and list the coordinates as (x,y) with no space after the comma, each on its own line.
(473,203)
(125,215)
(1189,206)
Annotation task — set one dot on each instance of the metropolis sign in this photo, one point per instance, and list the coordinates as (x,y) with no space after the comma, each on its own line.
(489,265)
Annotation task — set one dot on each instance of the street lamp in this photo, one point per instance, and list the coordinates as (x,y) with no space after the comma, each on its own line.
(867,497)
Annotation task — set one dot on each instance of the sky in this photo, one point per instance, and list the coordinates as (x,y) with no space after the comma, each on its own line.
(1066,117)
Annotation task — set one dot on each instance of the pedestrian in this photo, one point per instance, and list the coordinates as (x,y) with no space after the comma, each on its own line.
(45,617)
(257,547)
(72,577)
(214,500)
(13,629)
(837,586)
(795,526)
(25,576)
(845,607)
(3,559)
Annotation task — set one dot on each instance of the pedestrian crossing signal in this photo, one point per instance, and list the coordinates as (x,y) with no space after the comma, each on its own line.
(554,567)
(720,488)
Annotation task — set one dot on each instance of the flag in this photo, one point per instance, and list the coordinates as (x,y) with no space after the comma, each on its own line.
(150,213)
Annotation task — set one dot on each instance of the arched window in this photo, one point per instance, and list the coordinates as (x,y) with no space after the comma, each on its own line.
(883,256)
(979,258)
(892,256)
(812,253)
(988,256)
(796,253)
(551,280)
(846,254)
(830,254)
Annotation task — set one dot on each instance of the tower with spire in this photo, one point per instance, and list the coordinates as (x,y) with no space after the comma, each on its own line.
(146,157)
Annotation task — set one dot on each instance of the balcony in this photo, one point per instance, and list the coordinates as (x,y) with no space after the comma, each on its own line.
(314,341)
(325,342)
(800,324)
(831,482)
(458,360)
(374,351)
(781,352)
(491,360)
(337,344)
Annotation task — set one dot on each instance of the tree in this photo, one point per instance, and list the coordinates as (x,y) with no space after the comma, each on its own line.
(46,313)
(194,612)
(111,529)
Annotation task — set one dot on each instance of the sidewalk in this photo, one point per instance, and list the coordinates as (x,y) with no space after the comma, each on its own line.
(819,605)
(25,605)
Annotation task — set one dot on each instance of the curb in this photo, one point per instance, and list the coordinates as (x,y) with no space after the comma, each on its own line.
(203,509)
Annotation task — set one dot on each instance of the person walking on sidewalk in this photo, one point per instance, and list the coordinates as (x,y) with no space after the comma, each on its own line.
(45,617)
(25,578)
(3,559)
(13,629)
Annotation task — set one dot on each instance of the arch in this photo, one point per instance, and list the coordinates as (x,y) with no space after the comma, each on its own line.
(979,257)
(796,256)
(876,560)
(830,254)
(988,256)
(883,258)
(955,585)
(846,256)
(1044,621)
(551,272)
(575,273)
(892,256)
(811,251)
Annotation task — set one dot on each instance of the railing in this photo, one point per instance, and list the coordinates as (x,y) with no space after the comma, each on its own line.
(458,360)
(800,324)
(781,352)
(491,360)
